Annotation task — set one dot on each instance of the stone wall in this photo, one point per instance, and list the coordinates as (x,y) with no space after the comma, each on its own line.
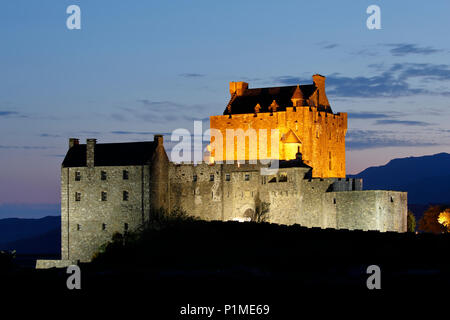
(91,221)
(322,137)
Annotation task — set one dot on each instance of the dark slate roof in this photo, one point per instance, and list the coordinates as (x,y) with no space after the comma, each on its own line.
(264,96)
(112,154)
(296,163)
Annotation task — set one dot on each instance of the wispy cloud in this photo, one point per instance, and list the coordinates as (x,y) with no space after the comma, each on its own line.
(403,49)
(392,82)
(139,133)
(367,115)
(4,113)
(371,139)
(25,147)
(49,135)
(192,75)
(403,122)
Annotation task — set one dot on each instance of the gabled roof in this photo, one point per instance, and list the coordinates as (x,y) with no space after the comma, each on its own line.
(246,102)
(290,137)
(112,154)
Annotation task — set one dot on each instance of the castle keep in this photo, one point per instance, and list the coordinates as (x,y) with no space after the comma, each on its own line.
(109,188)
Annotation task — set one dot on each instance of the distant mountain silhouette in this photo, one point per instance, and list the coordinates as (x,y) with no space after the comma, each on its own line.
(14,229)
(426,179)
(47,243)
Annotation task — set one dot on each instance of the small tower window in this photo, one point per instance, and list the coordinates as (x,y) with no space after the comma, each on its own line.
(78,227)
(103,175)
(77,176)
(194,178)
(227,177)
(283,177)
(125,174)
(211,177)
(104,196)
(103,226)
(247,177)
(125,226)
(77,196)
(125,196)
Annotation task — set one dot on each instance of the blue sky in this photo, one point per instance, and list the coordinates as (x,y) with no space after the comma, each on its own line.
(139,67)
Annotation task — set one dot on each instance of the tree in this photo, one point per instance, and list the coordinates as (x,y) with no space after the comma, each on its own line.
(444,219)
(411,222)
(429,222)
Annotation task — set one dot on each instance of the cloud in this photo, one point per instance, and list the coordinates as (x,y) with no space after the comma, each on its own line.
(403,49)
(25,147)
(49,135)
(371,139)
(4,113)
(367,115)
(192,75)
(139,133)
(392,82)
(330,46)
(403,122)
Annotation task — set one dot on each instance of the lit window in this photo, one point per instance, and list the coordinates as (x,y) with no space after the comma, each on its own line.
(125,196)
(77,196)
(77,176)
(103,175)
(283,177)
(104,196)
(125,174)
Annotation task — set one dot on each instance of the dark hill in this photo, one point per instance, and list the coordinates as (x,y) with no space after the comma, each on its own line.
(426,179)
(13,229)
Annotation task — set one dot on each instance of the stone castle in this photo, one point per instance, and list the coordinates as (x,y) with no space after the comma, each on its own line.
(113,187)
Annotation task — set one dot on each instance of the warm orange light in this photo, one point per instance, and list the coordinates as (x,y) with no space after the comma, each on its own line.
(444,218)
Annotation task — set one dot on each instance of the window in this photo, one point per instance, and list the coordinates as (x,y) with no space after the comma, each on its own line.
(78,227)
(272,180)
(227,177)
(125,196)
(334,201)
(125,174)
(247,177)
(77,196)
(125,226)
(104,196)
(77,176)
(103,175)
(194,178)
(211,177)
(103,226)
(283,177)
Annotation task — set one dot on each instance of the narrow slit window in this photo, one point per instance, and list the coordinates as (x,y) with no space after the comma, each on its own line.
(104,196)
(77,196)
(78,176)
(125,196)
(103,175)
(125,174)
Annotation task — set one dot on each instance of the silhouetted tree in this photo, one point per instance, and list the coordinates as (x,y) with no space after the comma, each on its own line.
(411,222)
(429,222)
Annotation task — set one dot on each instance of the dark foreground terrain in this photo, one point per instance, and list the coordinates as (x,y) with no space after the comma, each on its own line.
(216,263)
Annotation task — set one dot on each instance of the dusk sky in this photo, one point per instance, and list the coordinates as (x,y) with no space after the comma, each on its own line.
(140,67)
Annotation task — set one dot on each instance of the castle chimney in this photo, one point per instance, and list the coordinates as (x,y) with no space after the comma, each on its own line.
(73,142)
(158,138)
(238,88)
(319,81)
(90,152)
